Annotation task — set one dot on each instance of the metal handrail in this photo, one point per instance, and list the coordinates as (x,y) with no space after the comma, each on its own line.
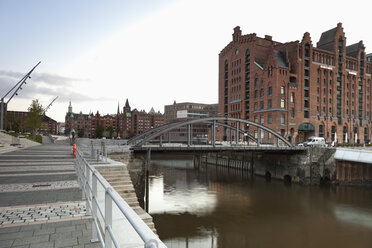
(88,178)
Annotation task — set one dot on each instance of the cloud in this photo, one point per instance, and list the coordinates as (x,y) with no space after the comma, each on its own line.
(45,85)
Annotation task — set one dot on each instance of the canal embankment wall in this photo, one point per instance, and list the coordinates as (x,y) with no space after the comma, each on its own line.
(311,167)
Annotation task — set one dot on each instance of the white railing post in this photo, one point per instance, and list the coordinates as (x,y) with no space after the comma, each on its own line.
(105,153)
(108,218)
(94,208)
(82,178)
(87,189)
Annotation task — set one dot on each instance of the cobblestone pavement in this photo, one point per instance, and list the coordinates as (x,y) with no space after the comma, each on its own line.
(72,233)
(45,212)
(41,201)
(38,186)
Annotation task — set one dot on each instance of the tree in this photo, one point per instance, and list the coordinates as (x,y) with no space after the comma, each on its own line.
(81,133)
(99,131)
(110,130)
(35,116)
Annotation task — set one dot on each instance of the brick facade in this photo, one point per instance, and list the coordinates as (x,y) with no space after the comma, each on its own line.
(296,88)
(17,120)
(127,123)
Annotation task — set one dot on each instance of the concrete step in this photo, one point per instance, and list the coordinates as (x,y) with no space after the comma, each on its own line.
(123,187)
(119,179)
(115,174)
(120,183)
(5,149)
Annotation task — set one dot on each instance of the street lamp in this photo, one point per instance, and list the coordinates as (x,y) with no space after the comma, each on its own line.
(16,87)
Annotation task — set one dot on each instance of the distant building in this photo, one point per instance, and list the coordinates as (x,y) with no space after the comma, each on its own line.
(60,128)
(188,111)
(17,121)
(126,123)
(296,88)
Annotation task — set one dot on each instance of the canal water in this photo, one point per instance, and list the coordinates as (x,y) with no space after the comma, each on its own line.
(218,207)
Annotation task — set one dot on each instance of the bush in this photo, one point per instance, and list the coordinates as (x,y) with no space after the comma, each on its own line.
(39,139)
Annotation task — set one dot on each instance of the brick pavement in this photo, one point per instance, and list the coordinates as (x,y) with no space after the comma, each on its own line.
(41,201)
(73,233)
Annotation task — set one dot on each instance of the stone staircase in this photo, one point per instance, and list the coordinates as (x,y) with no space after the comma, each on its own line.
(119,179)
(7,148)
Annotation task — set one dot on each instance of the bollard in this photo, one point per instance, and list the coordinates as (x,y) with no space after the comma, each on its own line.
(92,152)
(74,150)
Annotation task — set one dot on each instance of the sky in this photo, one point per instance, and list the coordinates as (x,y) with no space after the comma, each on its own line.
(97,54)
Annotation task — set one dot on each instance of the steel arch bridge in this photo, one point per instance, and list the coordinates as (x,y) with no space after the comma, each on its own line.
(157,132)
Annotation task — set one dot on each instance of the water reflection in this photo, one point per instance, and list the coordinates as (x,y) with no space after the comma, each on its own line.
(219,207)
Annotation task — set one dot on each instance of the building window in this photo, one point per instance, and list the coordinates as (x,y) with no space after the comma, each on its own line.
(255,106)
(262,92)
(262,120)
(282,91)
(256,119)
(255,82)
(270,119)
(292,97)
(256,94)
(270,91)
(321,132)
(282,119)
(282,103)
(262,105)
(269,104)
(292,113)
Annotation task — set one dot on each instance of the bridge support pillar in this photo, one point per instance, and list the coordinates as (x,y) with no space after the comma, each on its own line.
(237,133)
(147,173)
(214,134)
(188,135)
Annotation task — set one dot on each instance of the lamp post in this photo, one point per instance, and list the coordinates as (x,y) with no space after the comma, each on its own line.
(50,104)
(18,86)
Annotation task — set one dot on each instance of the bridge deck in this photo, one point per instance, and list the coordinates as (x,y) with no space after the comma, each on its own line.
(272,149)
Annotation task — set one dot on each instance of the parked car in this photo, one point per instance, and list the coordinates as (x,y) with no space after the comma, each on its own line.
(314,141)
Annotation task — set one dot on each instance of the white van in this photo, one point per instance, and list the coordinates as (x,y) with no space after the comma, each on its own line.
(315,141)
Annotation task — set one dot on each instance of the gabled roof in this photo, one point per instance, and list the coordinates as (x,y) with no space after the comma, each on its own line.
(352,50)
(327,37)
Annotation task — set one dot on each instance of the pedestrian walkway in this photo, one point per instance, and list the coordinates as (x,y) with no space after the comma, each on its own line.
(40,199)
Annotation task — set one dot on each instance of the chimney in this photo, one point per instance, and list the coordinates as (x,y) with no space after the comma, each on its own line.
(268,37)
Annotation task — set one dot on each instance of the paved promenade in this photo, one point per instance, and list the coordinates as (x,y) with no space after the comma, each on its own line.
(40,200)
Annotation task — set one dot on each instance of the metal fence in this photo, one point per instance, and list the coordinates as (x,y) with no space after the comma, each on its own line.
(102,225)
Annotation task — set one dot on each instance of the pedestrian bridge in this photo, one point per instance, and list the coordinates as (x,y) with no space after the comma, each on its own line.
(233,124)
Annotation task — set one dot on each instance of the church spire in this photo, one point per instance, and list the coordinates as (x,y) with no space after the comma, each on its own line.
(127,104)
(118,109)
(70,108)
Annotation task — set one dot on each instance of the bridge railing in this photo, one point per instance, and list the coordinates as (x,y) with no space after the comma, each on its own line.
(102,214)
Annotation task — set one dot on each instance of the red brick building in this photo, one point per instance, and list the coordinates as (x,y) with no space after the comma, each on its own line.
(126,124)
(296,88)
(17,120)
